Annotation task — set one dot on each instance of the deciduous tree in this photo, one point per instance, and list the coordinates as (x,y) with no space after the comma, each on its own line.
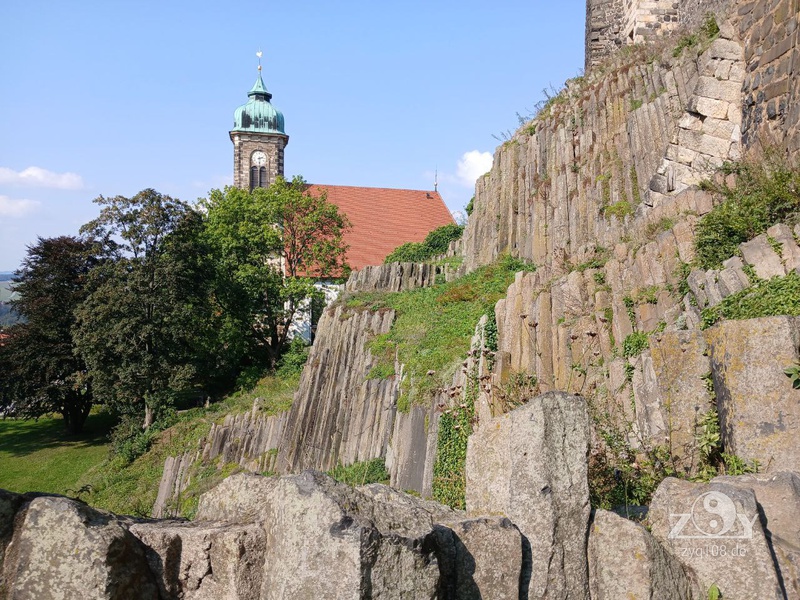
(141,329)
(271,245)
(43,372)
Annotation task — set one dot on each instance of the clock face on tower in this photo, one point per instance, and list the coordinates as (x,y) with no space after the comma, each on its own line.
(259,158)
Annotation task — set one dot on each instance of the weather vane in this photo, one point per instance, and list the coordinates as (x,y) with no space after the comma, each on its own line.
(259,54)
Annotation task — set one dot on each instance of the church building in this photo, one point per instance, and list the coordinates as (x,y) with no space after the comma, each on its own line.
(381,218)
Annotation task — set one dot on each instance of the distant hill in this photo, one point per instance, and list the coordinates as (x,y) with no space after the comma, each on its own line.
(6,275)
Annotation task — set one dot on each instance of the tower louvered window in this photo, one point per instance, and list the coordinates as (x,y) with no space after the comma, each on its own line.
(262,177)
(253,178)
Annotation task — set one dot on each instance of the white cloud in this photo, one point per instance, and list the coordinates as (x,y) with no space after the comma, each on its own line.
(472,165)
(16,208)
(38,177)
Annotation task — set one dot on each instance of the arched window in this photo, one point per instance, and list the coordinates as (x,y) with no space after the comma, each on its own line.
(253,178)
(262,177)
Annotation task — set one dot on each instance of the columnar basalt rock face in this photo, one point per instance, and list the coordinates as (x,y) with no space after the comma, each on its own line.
(611,24)
(339,415)
(758,407)
(530,465)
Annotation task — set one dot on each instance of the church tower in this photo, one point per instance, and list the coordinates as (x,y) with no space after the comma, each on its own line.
(258,139)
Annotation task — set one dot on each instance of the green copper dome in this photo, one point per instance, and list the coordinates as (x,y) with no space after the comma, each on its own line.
(258,115)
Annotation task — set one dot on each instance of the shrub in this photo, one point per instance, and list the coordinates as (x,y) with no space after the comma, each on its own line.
(634,344)
(435,243)
(765,193)
(361,473)
(777,296)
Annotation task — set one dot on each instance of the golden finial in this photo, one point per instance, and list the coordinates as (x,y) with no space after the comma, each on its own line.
(259,54)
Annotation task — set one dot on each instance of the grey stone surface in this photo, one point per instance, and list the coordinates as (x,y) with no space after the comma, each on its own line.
(759,253)
(481,558)
(758,407)
(531,466)
(373,541)
(10,503)
(715,530)
(626,561)
(778,497)
(62,549)
(205,561)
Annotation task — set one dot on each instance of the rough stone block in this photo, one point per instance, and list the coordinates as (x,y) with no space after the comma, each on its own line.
(530,465)
(709,107)
(481,558)
(759,253)
(778,497)
(710,87)
(625,561)
(204,561)
(758,408)
(715,531)
(790,252)
(64,549)
(680,365)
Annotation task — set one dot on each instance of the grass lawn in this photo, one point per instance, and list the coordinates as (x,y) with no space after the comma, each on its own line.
(39,456)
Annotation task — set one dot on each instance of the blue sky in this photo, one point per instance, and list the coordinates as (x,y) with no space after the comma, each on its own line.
(107,98)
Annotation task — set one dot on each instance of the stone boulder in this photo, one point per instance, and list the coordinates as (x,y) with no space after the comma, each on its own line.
(324,539)
(625,561)
(716,530)
(204,561)
(531,466)
(480,558)
(759,410)
(63,549)
(778,497)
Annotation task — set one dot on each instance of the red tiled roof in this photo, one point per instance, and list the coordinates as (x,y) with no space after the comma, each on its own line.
(383,218)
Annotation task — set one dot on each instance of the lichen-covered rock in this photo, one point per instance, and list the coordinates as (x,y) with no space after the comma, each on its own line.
(759,409)
(669,408)
(62,549)
(324,539)
(625,561)
(715,530)
(778,497)
(204,561)
(530,465)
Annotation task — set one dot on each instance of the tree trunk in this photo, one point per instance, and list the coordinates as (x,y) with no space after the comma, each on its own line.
(75,413)
(149,417)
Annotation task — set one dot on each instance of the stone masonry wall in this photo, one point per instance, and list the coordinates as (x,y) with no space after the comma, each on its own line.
(772,89)
(611,24)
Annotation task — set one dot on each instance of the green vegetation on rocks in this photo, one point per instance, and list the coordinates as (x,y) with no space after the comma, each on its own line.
(765,193)
(130,487)
(434,244)
(776,296)
(362,473)
(434,325)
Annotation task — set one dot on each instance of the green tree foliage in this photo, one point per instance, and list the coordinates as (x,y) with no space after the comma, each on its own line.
(144,325)
(434,244)
(42,372)
(765,193)
(258,237)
